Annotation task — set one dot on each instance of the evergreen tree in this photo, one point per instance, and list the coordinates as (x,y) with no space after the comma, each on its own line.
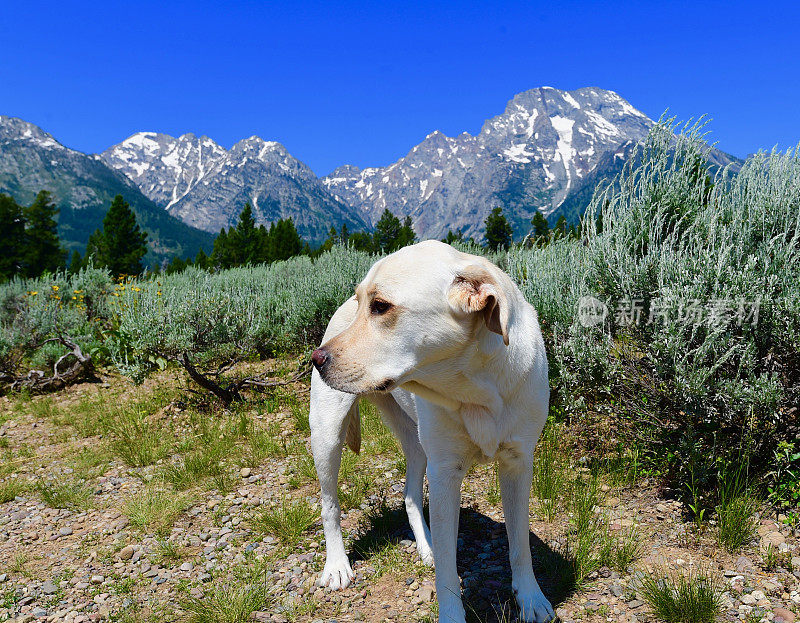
(75,263)
(246,239)
(95,249)
(541,229)
(362,241)
(223,254)
(560,228)
(121,245)
(387,233)
(285,242)
(248,244)
(499,234)
(407,236)
(43,252)
(453,237)
(344,235)
(12,237)
(176,265)
(202,261)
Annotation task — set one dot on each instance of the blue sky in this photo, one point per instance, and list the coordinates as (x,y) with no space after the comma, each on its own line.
(363,83)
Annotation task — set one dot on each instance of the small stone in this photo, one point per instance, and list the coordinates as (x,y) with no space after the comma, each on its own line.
(126,553)
(39,612)
(772,538)
(245,472)
(187,566)
(48,588)
(782,615)
(97,579)
(65,531)
(425,593)
(748,600)
(206,577)
(635,603)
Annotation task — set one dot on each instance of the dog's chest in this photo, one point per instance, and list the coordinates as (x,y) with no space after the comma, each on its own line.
(483,427)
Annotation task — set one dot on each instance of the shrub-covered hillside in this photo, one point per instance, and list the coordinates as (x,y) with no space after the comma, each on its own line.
(689,346)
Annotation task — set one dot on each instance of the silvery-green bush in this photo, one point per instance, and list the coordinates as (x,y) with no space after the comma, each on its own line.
(241,312)
(681,241)
(32,311)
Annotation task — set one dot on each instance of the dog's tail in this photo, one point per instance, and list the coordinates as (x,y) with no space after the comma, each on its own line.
(354,428)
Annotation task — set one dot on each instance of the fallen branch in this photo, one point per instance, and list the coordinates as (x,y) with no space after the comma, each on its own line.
(259,383)
(36,380)
(232,391)
(225,394)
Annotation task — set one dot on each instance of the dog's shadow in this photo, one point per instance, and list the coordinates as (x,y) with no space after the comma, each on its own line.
(482,560)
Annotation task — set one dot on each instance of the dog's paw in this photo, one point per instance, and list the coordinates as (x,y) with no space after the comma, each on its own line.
(534,606)
(425,554)
(337,574)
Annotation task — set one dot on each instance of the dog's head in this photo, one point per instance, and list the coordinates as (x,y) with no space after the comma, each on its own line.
(418,307)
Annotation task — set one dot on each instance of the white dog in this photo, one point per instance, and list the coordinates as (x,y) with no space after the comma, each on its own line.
(450,351)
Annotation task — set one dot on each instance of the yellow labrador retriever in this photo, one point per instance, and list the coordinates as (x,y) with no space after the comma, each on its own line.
(449,350)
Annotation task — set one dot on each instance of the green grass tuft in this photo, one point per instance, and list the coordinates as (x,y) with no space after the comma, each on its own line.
(71,494)
(228,604)
(10,489)
(155,509)
(683,598)
(549,472)
(287,521)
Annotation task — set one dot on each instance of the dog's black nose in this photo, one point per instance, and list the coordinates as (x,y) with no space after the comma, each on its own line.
(319,357)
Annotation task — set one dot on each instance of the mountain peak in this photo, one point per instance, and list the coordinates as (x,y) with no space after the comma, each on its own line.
(205,185)
(531,156)
(13,128)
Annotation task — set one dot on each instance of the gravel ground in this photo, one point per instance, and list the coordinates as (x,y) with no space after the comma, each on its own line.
(90,563)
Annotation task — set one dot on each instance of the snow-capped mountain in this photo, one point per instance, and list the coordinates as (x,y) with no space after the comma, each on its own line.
(163,167)
(206,186)
(533,156)
(83,187)
(546,151)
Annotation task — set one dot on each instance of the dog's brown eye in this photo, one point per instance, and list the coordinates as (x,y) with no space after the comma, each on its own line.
(379,307)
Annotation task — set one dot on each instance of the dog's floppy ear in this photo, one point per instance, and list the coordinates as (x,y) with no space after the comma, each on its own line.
(475,289)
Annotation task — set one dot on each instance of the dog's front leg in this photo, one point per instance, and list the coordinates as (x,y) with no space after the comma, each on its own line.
(515,470)
(328,418)
(444,486)
(448,462)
